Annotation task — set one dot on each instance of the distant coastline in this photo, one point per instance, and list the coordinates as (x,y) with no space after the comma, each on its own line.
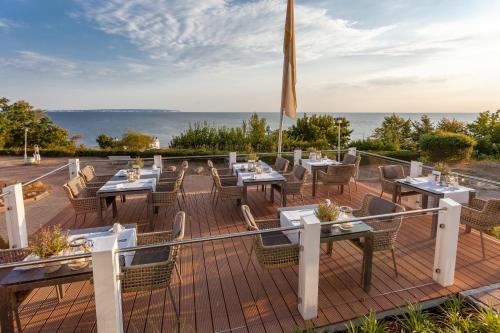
(114,110)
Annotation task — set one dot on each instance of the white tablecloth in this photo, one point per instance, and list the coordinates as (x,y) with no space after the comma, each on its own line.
(244,166)
(307,163)
(125,185)
(273,175)
(146,173)
(291,218)
(458,193)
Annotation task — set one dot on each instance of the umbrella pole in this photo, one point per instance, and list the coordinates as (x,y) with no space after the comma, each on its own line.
(280,133)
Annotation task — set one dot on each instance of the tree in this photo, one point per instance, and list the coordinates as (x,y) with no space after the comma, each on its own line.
(395,130)
(452,126)
(105,141)
(442,146)
(134,140)
(256,131)
(486,130)
(421,127)
(320,128)
(16,117)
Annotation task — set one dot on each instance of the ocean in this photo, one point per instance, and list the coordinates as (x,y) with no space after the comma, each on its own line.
(166,124)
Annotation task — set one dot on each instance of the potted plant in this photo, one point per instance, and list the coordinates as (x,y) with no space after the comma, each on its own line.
(50,242)
(444,170)
(137,166)
(327,212)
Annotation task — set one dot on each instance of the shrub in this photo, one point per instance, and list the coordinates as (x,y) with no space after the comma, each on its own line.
(405,155)
(105,141)
(134,140)
(446,146)
(372,144)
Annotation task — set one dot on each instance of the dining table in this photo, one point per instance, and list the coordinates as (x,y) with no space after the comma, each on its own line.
(21,280)
(119,185)
(291,216)
(267,177)
(428,187)
(315,165)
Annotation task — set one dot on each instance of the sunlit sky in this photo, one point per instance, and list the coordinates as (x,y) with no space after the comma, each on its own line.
(216,55)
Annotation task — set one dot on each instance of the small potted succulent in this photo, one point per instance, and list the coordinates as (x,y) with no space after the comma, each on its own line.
(445,172)
(137,166)
(50,242)
(327,212)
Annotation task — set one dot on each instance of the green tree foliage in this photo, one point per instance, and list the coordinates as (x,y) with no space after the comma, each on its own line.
(105,141)
(421,127)
(486,130)
(395,130)
(134,140)
(442,146)
(452,126)
(320,128)
(15,117)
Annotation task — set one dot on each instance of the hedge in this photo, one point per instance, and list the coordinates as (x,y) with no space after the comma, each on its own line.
(446,146)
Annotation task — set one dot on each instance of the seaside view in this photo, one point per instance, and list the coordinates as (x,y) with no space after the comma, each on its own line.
(249,166)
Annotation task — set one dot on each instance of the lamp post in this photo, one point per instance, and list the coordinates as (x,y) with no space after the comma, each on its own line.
(338,121)
(25,145)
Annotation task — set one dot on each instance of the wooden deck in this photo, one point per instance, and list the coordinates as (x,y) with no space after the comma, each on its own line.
(217,295)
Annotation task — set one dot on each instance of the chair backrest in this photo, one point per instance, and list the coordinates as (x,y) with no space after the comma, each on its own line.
(299,172)
(216,178)
(14,255)
(391,172)
(184,165)
(378,206)
(74,187)
(88,173)
(349,159)
(249,219)
(210,164)
(281,164)
(179,226)
(340,169)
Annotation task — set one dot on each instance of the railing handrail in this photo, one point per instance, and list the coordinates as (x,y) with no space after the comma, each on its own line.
(217,237)
(428,167)
(46,174)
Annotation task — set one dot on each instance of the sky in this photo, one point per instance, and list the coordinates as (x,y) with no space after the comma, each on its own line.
(226,55)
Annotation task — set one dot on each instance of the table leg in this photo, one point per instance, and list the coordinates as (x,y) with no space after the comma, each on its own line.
(115,210)
(395,192)
(329,247)
(99,209)
(425,201)
(367,263)
(271,194)
(6,316)
(314,180)
(283,195)
(245,194)
(150,208)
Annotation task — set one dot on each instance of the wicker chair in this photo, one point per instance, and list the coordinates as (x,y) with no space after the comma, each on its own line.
(384,231)
(273,250)
(82,198)
(481,215)
(166,194)
(356,160)
(387,175)
(227,191)
(10,256)
(295,182)
(89,176)
(156,275)
(281,164)
(337,175)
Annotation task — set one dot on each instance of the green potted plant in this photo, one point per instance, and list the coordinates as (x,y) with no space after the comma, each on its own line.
(327,212)
(446,177)
(50,242)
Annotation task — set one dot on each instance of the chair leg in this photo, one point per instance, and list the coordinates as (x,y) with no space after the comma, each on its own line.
(394,262)
(173,303)
(249,258)
(18,320)
(350,195)
(178,270)
(356,183)
(381,193)
(482,243)
(59,292)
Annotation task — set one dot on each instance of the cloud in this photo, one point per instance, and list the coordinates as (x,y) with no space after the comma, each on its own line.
(7,24)
(37,62)
(403,80)
(219,32)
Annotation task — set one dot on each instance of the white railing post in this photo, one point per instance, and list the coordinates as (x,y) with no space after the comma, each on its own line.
(158,162)
(107,290)
(446,242)
(15,216)
(74,167)
(297,156)
(232,159)
(309,267)
(415,171)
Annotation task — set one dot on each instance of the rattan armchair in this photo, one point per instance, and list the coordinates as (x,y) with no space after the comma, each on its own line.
(225,174)
(295,182)
(227,191)
(156,275)
(337,175)
(82,198)
(356,160)
(273,250)
(387,175)
(166,195)
(481,215)
(385,231)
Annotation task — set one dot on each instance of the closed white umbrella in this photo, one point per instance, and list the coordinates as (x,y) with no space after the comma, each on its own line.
(288,93)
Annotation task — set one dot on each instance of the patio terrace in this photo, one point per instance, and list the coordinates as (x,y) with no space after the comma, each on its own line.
(218,295)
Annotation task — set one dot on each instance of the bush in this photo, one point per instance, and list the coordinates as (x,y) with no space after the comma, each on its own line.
(405,155)
(372,144)
(446,146)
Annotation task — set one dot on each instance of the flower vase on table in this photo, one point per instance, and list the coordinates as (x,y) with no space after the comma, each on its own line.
(327,212)
(50,242)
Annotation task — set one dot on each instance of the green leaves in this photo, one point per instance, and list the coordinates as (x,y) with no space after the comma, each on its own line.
(446,146)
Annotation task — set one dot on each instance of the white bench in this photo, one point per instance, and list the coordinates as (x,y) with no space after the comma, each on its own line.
(119,159)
